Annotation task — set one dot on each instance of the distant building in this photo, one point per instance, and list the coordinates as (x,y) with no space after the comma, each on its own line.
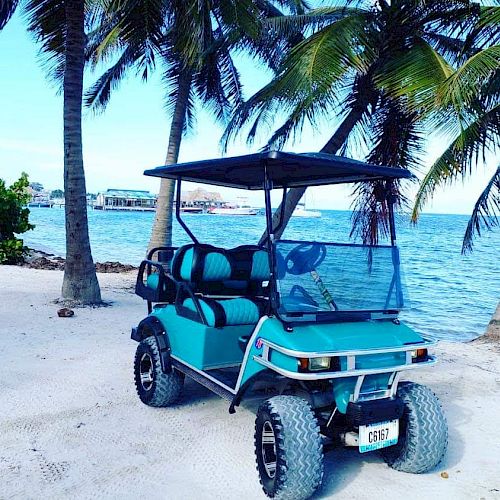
(200,200)
(125,199)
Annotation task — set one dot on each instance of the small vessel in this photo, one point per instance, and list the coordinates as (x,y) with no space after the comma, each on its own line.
(300,211)
(192,210)
(234,209)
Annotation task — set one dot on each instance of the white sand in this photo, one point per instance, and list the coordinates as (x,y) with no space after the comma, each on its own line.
(71,424)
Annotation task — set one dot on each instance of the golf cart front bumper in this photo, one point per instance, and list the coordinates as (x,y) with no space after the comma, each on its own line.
(351,375)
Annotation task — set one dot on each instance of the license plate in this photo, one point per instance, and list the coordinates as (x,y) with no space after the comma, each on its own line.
(379,435)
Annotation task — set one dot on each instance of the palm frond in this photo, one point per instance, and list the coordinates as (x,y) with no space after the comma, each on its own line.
(465,151)
(485,214)
(463,86)
(97,97)
(309,80)
(451,48)
(313,19)
(485,32)
(141,25)
(103,41)
(415,73)
(46,21)
(7,8)
(397,142)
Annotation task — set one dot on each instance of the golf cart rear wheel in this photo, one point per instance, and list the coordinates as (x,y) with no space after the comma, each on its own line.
(288,448)
(154,387)
(423,431)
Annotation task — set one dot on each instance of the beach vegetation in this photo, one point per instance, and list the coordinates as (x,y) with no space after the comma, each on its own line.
(14,219)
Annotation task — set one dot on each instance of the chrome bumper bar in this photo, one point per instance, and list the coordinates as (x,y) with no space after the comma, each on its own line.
(431,360)
(351,370)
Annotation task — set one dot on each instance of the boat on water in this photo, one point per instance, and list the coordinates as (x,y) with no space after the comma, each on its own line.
(241,208)
(301,211)
(192,210)
(234,210)
(40,204)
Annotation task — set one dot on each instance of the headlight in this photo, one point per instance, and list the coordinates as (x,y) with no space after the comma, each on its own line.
(418,355)
(316,364)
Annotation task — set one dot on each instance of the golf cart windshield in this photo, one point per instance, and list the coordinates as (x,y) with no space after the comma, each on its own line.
(314,277)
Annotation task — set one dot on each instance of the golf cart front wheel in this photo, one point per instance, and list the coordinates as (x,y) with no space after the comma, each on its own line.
(288,448)
(423,431)
(154,387)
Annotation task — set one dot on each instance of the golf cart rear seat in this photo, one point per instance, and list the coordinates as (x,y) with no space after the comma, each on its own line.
(219,287)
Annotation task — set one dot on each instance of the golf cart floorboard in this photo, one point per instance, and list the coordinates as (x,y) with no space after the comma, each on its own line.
(197,377)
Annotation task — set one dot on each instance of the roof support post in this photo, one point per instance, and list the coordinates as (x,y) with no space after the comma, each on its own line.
(178,212)
(268,186)
(390,205)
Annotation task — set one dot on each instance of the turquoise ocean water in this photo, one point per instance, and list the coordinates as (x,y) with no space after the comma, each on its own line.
(451,296)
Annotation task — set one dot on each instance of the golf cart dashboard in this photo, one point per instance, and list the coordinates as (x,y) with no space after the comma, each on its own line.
(318,281)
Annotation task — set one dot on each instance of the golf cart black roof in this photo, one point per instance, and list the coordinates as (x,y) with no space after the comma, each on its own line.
(283,169)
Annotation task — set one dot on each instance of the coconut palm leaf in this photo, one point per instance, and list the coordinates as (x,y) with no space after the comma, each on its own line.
(313,19)
(397,140)
(309,80)
(46,20)
(98,95)
(486,29)
(461,155)
(486,212)
(7,8)
(415,74)
(217,82)
(462,87)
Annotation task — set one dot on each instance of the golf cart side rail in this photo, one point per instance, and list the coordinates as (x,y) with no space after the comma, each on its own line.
(351,370)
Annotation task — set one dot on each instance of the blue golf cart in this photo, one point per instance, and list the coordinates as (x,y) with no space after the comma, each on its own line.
(313,324)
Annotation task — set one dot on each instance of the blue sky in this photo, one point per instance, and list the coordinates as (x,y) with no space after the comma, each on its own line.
(133,132)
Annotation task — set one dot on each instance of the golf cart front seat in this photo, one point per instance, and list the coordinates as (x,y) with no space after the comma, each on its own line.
(221,287)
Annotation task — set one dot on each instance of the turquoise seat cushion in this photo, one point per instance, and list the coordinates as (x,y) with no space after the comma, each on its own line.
(200,263)
(260,266)
(152,281)
(226,312)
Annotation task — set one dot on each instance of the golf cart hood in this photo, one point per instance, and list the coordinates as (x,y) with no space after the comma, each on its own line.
(325,337)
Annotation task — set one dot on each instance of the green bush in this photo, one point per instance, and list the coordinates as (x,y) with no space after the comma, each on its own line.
(13,219)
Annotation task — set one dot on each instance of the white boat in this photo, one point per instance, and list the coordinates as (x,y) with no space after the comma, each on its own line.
(234,210)
(238,208)
(300,211)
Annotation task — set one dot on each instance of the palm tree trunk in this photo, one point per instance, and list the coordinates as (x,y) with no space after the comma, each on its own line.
(80,281)
(332,146)
(162,227)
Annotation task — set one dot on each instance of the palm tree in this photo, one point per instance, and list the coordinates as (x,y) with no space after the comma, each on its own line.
(350,64)
(59,26)
(470,98)
(194,42)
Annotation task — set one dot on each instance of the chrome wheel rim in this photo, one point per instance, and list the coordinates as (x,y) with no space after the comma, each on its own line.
(146,371)
(269,449)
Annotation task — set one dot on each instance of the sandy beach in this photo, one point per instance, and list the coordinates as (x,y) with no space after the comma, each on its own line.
(71,424)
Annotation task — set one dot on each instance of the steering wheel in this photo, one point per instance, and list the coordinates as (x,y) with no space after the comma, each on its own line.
(304,258)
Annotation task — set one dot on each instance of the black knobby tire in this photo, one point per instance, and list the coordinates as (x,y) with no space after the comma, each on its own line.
(423,431)
(158,389)
(298,448)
